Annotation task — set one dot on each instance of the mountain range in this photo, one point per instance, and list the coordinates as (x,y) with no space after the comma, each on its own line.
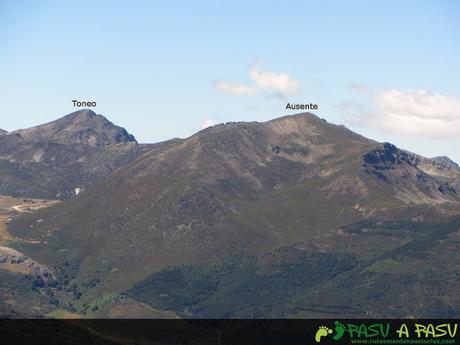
(294,217)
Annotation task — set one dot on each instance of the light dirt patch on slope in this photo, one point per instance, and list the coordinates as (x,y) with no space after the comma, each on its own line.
(11,260)
(12,207)
(5,236)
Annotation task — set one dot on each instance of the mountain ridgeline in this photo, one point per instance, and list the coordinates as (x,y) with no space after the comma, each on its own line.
(290,217)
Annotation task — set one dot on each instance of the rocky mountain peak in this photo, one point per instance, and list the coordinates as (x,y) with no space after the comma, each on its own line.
(295,123)
(82,114)
(81,127)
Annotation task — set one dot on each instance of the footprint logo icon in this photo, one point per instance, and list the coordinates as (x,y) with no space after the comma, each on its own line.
(339,330)
(322,331)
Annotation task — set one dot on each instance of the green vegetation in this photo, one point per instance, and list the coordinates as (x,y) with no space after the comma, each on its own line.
(400,282)
(239,286)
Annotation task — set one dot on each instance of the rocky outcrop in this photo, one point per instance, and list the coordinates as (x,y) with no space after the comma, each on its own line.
(14,261)
(385,157)
(414,178)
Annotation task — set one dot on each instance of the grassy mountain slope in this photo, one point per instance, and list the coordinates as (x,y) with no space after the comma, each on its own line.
(251,192)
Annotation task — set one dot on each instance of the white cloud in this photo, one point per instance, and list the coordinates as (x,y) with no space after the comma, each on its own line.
(207,122)
(410,112)
(280,84)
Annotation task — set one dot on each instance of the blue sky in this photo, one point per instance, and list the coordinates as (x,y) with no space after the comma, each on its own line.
(389,70)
